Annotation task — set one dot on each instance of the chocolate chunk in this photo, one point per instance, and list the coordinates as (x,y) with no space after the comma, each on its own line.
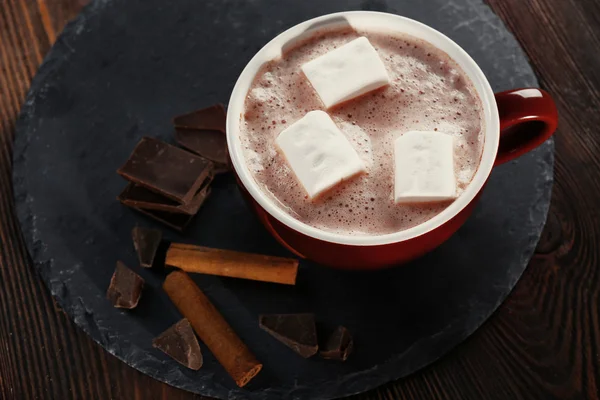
(297,331)
(125,287)
(139,197)
(173,220)
(173,172)
(339,345)
(222,168)
(180,343)
(206,143)
(211,118)
(146,242)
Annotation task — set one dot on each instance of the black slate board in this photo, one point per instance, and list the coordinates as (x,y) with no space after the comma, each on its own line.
(121,70)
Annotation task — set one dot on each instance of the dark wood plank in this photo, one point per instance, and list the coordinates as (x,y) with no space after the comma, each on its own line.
(42,354)
(542,343)
(55,13)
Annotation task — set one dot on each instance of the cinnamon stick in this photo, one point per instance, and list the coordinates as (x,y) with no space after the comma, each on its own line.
(232,264)
(212,328)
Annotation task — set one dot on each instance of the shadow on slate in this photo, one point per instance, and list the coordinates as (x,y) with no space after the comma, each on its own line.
(121,70)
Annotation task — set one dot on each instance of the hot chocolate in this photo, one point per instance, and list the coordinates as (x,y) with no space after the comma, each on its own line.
(428,91)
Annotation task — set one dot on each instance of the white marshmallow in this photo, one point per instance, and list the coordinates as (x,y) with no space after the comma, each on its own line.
(346,72)
(318,153)
(424,167)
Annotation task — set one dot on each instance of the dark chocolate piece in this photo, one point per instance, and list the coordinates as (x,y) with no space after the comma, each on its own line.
(339,345)
(177,221)
(180,343)
(206,143)
(222,168)
(210,118)
(139,197)
(173,172)
(125,287)
(173,220)
(297,331)
(146,242)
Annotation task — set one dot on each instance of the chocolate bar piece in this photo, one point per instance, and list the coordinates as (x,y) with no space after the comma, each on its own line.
(173,220)
(177,221)
(173,172)
(125,287)
(297,331)
(210,118)
(180,343)
(208,144)
(146,242)
(339,345)
(136,196)
(222,168)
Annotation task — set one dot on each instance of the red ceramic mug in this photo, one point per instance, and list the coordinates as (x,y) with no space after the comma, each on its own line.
(516,122)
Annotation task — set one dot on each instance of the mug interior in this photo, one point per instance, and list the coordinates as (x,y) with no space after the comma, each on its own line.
(376,22)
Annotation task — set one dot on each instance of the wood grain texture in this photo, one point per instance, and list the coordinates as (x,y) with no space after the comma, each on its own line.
(543,343)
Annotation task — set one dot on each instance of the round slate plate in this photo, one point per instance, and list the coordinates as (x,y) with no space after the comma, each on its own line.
(121,70)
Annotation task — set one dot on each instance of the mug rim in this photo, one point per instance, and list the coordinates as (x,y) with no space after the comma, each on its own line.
(272,50)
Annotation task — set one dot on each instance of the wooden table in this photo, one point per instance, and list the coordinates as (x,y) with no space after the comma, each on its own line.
(543,342)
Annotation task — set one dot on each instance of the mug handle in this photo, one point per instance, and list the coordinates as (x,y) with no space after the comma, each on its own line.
(528,117)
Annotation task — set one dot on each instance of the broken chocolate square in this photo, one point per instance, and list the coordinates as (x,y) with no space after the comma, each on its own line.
(173,172)
(146,242)
(180,343)
(297,331)
(208,144)
(210,118)
(136,196)
(339,345)
(125,287)
(177,221)
(173,220)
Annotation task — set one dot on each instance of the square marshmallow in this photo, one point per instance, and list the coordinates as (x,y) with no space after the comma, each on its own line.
(318,153)
(424,167)
(346,72)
